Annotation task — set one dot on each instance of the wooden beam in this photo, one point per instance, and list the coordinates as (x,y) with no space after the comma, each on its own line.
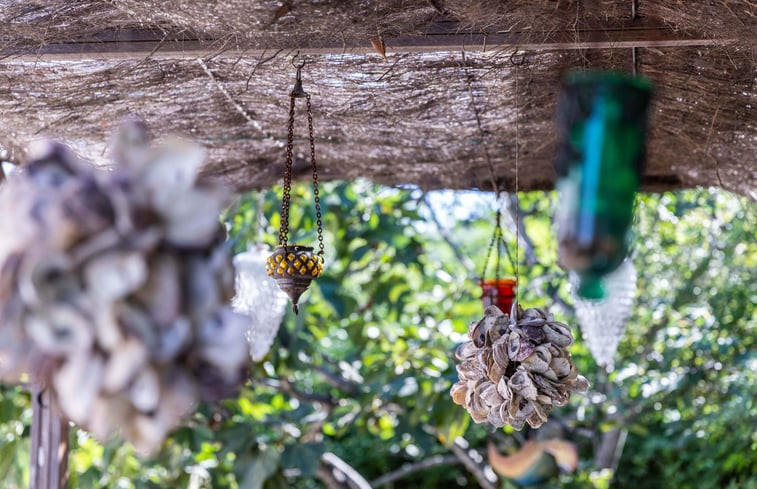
(49,445)
(442,36)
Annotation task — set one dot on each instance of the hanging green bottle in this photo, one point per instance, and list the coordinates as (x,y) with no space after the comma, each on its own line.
(602,118)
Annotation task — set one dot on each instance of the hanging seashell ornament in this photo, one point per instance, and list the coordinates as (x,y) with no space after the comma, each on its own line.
(114,287)
(258,297)
(603,321)
(515,371)
(295,266)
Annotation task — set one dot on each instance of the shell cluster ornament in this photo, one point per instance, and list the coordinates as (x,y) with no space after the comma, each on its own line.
(295,266)
(115,287)
(259,297)
(515,371)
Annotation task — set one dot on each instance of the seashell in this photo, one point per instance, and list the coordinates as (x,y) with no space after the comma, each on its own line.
(495,417)
(465,351)
(43,278)
(522,384)
(488,393)
(560,366)
(538,361)
(458,392)
(62,330)
(161,294)
(172,340)
(479,333)
(107,414)
(192,217)
(123,364)
(544,400)
(534,334)
(77,383)
(558,334)
(581,384)
(533,321)
(519,348)
(500,328)
(114,275)
(144,393)
(504,390)
(500,352)
(495,372)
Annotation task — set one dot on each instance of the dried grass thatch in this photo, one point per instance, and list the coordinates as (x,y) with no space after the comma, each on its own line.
(428,118)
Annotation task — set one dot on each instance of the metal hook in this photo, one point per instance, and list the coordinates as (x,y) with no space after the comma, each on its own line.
(298,91)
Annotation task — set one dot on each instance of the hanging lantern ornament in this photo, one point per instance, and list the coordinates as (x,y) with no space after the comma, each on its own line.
(498,291)
(295,266)
(603,321)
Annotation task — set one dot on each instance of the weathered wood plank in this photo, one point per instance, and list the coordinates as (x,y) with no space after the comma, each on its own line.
(443,36)
(49,445)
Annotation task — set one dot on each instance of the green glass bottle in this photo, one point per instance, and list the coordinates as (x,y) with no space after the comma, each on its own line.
(602,119)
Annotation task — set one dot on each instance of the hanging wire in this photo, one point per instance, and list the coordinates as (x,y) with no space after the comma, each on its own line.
(517,198)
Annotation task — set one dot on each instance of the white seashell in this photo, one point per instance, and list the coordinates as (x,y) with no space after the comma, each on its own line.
(522,384)
(122,365)
(145,391)
(61,331)
(465,351)
(77,382)
(115,275)
(558,334)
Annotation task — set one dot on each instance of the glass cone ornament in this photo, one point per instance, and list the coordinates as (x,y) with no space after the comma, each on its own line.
(603,320)
(259,298)
(295,266)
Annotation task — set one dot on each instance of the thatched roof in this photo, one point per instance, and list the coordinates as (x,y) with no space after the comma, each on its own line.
(443,103)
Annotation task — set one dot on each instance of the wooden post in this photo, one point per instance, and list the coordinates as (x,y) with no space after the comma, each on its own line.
(49,445)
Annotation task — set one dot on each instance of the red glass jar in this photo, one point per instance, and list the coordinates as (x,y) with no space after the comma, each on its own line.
(499,292)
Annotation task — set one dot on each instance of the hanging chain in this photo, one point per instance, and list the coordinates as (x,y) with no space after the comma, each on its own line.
(316,196)
(284,228)
(285,202)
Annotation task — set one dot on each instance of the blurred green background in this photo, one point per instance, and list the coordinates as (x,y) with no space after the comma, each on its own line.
(364,371)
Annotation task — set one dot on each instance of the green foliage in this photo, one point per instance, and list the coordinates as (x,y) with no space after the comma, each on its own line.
(365,369)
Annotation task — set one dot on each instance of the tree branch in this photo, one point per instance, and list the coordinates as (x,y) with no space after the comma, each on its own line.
(471,465)
(409,469)
(461,257)
(338,474)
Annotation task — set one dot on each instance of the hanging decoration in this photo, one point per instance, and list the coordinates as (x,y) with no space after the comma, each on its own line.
(258,297)
(114,287)
(514,371)
(516,367)
(603,321)
(601,126)
(535,462)
(295,266)
(498,291)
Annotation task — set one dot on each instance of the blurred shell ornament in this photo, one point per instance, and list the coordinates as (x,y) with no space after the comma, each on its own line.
(515,371)
(603,321)
(258,297)
(295,266)
(602,119)
(115,286)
